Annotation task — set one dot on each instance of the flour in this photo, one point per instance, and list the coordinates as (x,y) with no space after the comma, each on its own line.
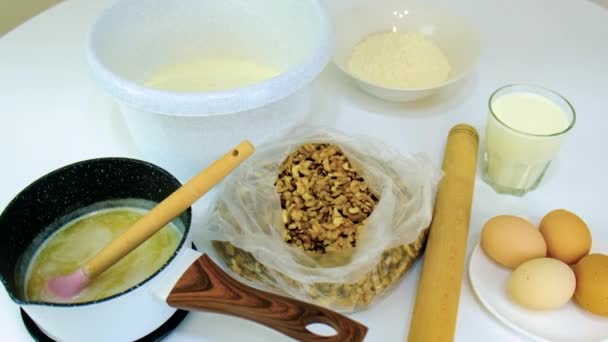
(399,60)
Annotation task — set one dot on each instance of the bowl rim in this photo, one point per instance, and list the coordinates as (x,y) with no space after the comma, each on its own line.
(210,103)
(475,43)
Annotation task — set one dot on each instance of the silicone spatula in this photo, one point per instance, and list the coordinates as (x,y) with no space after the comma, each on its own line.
(69,286)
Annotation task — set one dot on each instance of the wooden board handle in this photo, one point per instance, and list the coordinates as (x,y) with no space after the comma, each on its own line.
(205,286)
(167,210)
(436,307)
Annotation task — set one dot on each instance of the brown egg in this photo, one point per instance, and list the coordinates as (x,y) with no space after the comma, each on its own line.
(592,283)
(567,236)
(511,240)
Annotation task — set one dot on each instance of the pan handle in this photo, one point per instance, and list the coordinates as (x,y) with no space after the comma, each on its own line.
(206,287)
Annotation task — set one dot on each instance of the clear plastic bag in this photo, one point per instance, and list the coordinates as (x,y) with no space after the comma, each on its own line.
(247,220)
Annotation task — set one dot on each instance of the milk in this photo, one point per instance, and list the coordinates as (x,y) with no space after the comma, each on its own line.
(524,133)
(80,239)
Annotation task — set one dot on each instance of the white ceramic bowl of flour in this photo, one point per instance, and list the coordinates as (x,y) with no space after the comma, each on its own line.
(252,63)
(455,37)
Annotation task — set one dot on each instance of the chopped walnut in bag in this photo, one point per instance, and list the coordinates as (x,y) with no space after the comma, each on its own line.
(297,219)
(325,201)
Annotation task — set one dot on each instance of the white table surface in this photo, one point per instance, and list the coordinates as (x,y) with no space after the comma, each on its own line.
(53,114)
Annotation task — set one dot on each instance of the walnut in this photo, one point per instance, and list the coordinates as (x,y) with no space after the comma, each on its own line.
(325,206)
(325,201)
(392,265)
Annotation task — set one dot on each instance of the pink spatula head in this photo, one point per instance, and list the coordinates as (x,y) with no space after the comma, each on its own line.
(69,286)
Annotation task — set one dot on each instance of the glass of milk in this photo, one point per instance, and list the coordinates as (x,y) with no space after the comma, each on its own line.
(526,126)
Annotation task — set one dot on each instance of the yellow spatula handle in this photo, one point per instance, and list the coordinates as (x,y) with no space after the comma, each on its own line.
(436,308)
(167,210)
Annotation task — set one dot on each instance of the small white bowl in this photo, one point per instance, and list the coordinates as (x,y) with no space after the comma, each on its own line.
(184,131)
(458,40)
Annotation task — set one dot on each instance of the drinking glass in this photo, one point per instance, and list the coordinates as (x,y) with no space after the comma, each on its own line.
(515,160)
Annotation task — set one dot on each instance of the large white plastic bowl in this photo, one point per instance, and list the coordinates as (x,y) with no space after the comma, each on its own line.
(184,131)
(456,37)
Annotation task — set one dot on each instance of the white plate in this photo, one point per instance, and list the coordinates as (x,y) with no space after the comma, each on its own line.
(569,323)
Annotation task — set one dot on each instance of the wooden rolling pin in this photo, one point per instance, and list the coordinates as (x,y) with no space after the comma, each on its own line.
(436,307)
